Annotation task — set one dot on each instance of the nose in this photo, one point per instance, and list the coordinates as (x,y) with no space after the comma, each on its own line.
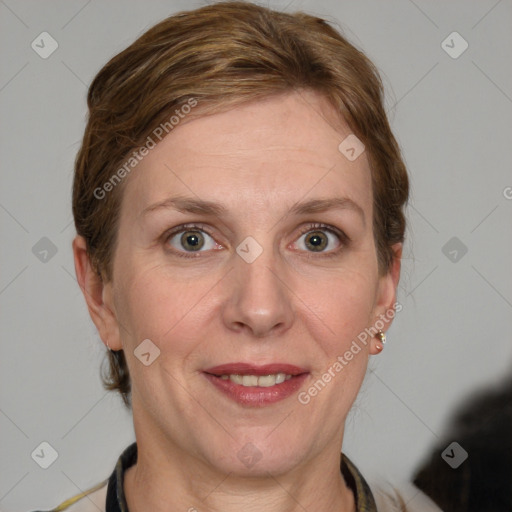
(258,297)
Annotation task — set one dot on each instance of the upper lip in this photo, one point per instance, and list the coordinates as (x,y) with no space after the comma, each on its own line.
(251,369)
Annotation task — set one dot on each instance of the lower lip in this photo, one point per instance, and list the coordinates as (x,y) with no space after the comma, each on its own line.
(257,396)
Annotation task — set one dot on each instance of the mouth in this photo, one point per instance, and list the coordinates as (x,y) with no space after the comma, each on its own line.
(252,385)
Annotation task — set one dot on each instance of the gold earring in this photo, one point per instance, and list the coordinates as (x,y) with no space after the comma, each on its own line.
(382,336)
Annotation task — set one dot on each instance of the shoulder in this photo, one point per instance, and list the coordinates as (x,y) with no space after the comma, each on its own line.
(91,500)
(403,497)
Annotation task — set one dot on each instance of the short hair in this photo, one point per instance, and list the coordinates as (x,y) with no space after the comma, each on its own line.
(221,56)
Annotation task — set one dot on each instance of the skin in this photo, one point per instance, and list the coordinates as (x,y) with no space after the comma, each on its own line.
(291,305)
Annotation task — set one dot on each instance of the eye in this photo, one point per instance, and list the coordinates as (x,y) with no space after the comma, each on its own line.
(190,239)
(321,238)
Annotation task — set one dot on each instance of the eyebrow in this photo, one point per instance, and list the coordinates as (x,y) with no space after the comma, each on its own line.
(199,206)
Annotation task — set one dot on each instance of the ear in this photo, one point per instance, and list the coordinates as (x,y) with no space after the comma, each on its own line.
(386,295)
(98,296)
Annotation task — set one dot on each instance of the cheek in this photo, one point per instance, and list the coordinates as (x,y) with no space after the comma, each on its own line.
(348,308)
(345,304)
(156,305)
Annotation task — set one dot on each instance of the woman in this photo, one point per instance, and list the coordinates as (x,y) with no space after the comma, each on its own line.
(238,199)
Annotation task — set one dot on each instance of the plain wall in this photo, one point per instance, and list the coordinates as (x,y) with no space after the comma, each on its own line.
(453,119)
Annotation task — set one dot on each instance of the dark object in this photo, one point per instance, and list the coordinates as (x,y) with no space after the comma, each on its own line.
(483,482)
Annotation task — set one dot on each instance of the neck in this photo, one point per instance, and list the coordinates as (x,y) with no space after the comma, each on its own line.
(169,480)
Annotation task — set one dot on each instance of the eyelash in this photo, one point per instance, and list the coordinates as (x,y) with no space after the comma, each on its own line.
(344,239)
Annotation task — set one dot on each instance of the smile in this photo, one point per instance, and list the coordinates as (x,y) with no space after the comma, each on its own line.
(256,386)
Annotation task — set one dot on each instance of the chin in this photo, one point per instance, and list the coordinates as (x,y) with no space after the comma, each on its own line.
(257,456)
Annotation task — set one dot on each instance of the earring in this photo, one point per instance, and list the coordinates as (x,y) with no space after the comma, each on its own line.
(382,337)
(108,347)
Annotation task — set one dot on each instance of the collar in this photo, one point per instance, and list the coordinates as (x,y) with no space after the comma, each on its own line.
(116,500)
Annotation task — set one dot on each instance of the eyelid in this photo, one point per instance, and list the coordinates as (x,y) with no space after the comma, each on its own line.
(198,226)
(325,227)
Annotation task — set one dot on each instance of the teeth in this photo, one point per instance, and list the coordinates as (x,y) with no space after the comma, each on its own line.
(266,381)
(249,380)
(281,377)
(263,381)
(237,379)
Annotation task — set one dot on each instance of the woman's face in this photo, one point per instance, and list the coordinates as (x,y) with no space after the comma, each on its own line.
(253,281)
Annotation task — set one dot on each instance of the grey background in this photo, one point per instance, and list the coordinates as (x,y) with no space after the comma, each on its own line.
(453,120)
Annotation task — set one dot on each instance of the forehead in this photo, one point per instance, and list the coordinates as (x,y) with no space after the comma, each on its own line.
(267,153)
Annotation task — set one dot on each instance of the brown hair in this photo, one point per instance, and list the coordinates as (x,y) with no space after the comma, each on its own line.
(220,56)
